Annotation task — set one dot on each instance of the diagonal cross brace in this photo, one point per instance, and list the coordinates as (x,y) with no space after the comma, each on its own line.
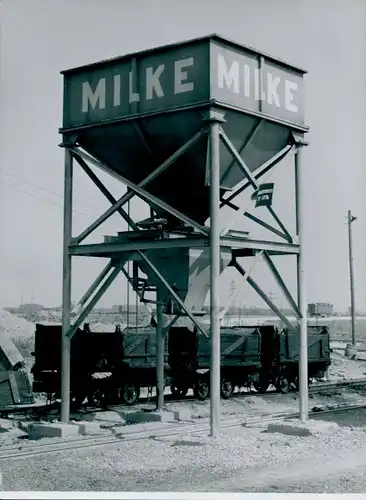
(123,214)
(251,178)
(279,222)
(132,224)
(106,193)
(260,171)
(95,284)
(171,323)
(171,291)
(167,163)
(247,273)
(142,193)
(98,295)
(233,346)
(241,164)
(138,188)
(264,297)
(250,138)
(281,284)
(267,226)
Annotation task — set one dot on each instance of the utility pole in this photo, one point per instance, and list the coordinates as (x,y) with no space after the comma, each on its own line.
(351,219)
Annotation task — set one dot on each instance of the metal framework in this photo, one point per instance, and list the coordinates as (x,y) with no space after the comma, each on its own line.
(118,251)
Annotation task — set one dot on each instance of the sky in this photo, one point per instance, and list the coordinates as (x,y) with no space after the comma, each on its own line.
(39,38)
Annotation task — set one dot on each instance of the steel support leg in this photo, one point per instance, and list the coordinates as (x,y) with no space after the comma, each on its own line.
(303,365)
(215,276)
(66,290)
(160,352)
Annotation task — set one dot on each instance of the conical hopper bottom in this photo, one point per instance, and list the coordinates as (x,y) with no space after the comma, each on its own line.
(188,272)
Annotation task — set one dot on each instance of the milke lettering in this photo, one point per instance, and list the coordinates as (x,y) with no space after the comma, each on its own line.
(240,79)
(97,97)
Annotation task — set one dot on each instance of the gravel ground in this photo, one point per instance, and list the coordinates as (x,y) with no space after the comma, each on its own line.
(235,461)
(248,460)
(344,369)
(244,406)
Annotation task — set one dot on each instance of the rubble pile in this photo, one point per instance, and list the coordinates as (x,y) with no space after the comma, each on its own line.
(21,333)
(15,327)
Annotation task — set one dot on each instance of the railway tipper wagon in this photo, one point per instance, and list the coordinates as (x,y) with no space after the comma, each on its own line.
(189,359)
(112,367)
(106,367)
(259,356)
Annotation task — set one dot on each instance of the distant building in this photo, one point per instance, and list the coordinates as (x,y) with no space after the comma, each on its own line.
(320,310)
(118,309)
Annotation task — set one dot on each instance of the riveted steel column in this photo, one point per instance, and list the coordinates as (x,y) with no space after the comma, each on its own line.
(160,352)
(301,285)
(66,289)
(214,138)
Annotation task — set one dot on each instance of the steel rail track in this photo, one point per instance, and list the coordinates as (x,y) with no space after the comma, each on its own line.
(313,389)
(15,452)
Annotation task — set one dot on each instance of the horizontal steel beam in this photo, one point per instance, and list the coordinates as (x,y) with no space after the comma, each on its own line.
(108,249)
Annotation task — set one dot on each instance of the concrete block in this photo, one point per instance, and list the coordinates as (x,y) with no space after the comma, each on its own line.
(6,425)
(290,429)
(23,426)
(88,427)
(153,416)
(38,431)
(351,352)
(182,415)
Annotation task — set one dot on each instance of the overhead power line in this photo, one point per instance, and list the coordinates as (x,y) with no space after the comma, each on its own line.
(42,188)
(39,199)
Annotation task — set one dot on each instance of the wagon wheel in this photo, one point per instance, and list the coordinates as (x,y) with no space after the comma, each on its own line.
(178,391)
(76,401)
(297,383)
(98,398)
(202,388)
(130,393)
(77,397)
(51,397)
(261,386)
(227,388)
(283,385)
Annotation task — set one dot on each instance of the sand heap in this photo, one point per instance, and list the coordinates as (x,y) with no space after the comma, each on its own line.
(20,331)
(15,327)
